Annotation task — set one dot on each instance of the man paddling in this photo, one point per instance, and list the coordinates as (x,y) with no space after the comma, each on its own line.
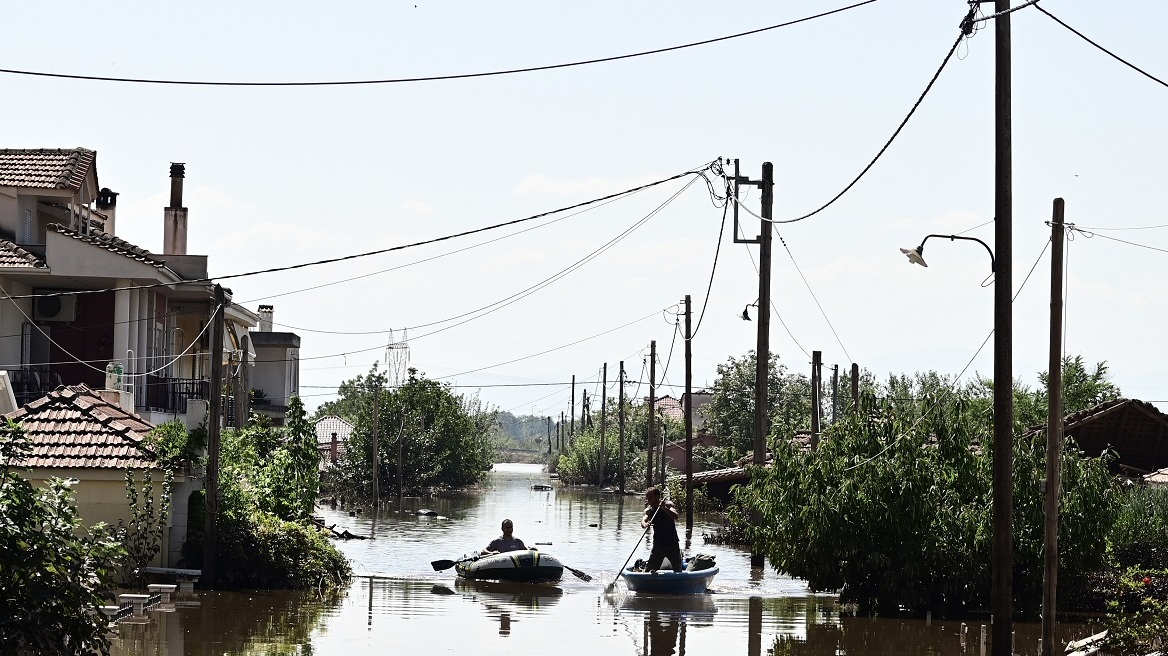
(663,517)
(507,541)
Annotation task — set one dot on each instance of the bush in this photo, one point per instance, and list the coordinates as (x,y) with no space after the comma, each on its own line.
(1139,536)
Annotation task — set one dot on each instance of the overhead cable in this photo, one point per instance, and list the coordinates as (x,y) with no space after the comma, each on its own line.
(431,78)
(1105,50)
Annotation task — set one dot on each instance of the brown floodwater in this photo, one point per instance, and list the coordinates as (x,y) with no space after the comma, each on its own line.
(397,603)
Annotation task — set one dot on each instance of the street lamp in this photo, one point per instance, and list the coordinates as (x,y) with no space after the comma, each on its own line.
(917,255)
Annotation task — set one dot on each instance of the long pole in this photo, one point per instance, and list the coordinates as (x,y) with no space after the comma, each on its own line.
(572,414)
(603,418)
(855,387)
(376,464)
(688,418)
(214,428)
(651,436)
(1054,434)
(549,433)
(621,425)
(763,350)
(1002,565)
(834,393)
(816,397)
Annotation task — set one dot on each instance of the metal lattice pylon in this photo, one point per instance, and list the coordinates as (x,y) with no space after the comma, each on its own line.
(397,358)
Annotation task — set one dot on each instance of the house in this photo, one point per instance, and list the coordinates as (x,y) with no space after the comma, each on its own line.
(85,434)
(80,302)
(275,378)
(331,435)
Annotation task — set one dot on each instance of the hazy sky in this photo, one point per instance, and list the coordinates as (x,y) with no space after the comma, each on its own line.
(278,176)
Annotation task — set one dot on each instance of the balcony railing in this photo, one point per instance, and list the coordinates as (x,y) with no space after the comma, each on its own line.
(171,394)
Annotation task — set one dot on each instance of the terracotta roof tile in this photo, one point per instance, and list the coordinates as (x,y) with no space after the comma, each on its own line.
(75,427)
(45,168)
(12,255)
(110,243)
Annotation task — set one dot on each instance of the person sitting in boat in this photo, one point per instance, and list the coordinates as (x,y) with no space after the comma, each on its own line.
(662,516)
(507,541)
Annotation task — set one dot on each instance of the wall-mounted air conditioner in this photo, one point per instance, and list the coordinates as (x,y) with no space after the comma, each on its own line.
(55,308)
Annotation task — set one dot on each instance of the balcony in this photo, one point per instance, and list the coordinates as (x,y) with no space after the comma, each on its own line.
(165,394)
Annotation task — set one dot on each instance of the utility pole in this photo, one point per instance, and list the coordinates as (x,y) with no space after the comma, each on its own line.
(603,418)
(855,387)
(1054,434)
(214,429)
(1001,556)
(377,447)
(834,393)
(763,350)
(651,437)
(549,433)
(621,424)
(816,394)
(572,414)
(688,409)
(584,410)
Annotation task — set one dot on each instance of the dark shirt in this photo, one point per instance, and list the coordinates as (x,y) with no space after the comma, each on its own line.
(503,544)
(664,527)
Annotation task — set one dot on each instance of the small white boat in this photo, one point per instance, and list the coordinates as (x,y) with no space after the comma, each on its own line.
(524,566)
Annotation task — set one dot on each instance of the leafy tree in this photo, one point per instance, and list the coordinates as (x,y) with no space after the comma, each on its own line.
(893,509)
(730,414)
(142,535)
(54,573)
(443,439)
(175,447)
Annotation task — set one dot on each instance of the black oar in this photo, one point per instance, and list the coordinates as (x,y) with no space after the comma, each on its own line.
(580,575)
(608,588)
(440,565)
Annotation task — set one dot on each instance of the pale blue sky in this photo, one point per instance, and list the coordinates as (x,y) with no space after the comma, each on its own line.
(278,176)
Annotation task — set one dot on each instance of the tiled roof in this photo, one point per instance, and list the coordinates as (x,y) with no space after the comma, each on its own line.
(12,255)
(110,243)
(671,407)
(326,426)
(45,168)
(75,427)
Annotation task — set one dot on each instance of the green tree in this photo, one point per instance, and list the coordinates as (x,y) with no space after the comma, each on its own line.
(141,536)
(444,439)
(54,573)
(730,414)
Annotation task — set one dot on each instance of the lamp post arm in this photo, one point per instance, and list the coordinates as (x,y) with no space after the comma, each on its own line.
(993,263)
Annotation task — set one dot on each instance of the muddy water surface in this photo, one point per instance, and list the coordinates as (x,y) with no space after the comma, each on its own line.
(397,603)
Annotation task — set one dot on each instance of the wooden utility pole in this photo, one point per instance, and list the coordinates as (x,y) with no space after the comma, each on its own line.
(621,424)
(549,433)
(816,397)
(651,436)
(603,418)
(855,387)
(376,460)
(584,410)
(1002,556)
(572,414)
(214,429)
(1054,434)
(688,410)
(834,393)
(762,351)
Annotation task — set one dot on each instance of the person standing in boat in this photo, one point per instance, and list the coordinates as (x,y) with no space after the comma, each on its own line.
(662,516)
(507,541)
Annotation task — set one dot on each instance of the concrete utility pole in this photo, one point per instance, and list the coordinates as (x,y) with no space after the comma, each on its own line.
(603,418)
(688,409)
(763,350)
(816,397)
(214,429)
(1054,434)
(621,424)
(651,436)
(1001,556)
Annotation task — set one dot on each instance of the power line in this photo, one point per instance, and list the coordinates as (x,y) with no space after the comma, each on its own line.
(379,251)
(1151,227)
(928,87)
(1090,234)
(433,78)
(1105,50)
(813,296)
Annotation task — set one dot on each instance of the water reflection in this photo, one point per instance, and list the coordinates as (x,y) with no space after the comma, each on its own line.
(409,608)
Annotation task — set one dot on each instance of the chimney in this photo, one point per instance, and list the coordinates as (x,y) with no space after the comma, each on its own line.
(174,237)
(266,312)
(107,203)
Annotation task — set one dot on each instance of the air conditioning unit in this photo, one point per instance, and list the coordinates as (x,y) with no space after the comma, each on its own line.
(55,308)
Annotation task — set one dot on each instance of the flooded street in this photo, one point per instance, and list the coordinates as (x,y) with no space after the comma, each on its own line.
(397,603)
